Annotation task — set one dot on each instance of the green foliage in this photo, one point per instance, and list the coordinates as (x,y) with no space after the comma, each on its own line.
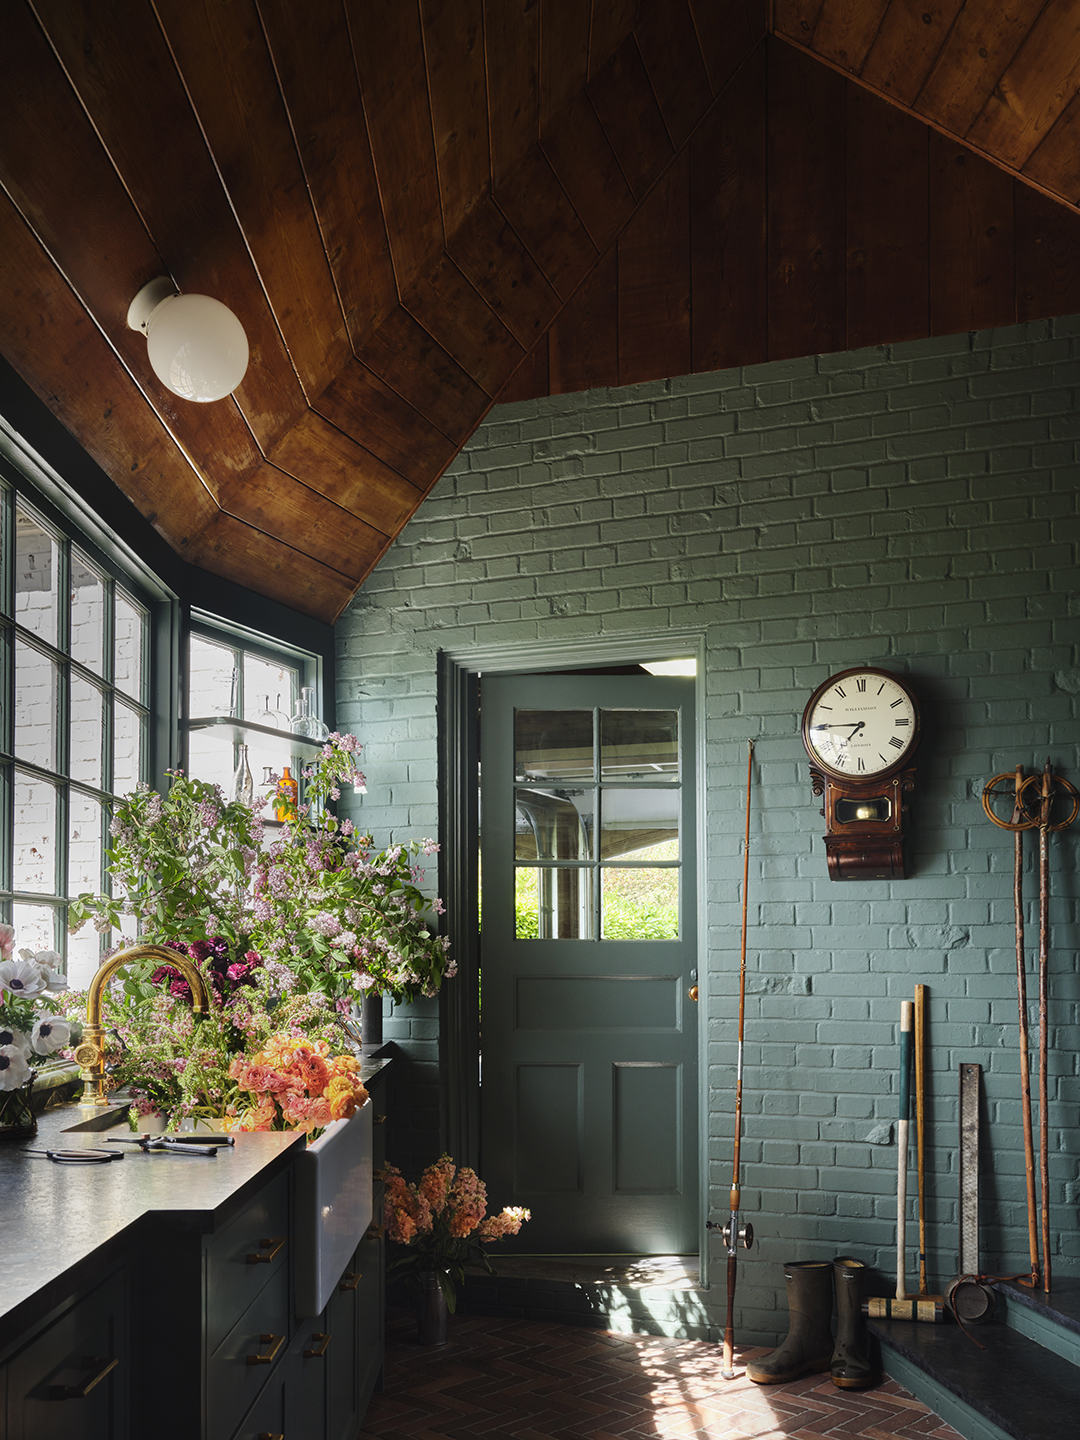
(317,899)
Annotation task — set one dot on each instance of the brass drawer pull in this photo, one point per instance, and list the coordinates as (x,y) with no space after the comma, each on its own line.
(351,1281)
(378,1119)
(317,1354)
(271,1247)
(275,1342)
(80,1392)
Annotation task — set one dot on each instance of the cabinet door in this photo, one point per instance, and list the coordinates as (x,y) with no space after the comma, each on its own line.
(71,1382)
(306,1380)
(341,1316)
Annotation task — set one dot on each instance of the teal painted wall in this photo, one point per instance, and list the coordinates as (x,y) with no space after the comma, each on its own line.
(914,506)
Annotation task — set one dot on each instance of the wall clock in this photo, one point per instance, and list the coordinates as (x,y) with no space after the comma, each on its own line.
(861,729)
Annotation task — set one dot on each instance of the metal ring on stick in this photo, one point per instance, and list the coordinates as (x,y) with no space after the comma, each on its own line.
(1004,787)
(1058,787)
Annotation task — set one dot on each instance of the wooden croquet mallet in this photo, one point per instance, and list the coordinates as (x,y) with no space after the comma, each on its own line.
(920,1123)
(906,1009)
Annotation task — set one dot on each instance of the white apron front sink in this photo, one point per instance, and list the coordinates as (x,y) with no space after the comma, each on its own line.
(333,1207)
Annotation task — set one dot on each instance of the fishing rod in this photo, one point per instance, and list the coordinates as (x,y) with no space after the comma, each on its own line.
(731,1233)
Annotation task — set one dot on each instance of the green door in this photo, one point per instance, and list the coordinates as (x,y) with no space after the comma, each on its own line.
(588,949)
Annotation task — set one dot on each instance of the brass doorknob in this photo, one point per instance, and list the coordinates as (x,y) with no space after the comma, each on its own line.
(692,992)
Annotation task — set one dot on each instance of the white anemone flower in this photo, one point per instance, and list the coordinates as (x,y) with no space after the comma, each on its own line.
(18,1038)
(51,966)
(22,977)
(50,1034)
(14,1071)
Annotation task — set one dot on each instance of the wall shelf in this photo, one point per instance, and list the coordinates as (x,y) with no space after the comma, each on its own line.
(243,732)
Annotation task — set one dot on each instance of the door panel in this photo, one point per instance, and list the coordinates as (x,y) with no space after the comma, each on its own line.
(588,947)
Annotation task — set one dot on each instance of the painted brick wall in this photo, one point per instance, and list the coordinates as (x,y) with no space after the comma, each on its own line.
(913,505)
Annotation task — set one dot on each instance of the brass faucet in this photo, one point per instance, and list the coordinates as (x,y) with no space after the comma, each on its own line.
(90,1053)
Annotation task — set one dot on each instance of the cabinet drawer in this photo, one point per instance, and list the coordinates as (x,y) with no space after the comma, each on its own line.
(244,1257)
(241,1365)
(71,1382)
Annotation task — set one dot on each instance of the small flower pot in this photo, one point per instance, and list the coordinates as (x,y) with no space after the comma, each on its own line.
(432,1315)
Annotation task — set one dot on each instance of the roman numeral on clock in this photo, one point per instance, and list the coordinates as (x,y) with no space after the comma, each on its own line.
(861,684)
(895,740)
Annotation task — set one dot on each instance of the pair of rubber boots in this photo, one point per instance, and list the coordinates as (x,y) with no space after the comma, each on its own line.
(809,1346)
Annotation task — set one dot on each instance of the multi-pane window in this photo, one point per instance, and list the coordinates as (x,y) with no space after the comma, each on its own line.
(74,725)
(597,800)
(234,676)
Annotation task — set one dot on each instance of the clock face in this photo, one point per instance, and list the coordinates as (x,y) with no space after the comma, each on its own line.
(861,724)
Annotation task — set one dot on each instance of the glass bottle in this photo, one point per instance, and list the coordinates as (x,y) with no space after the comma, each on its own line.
(301,722)
(288,796)
(243,787)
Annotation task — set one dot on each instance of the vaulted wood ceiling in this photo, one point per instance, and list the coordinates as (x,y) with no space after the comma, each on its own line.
(417,207)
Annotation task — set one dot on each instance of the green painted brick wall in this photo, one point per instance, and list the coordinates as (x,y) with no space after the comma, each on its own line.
(915,506)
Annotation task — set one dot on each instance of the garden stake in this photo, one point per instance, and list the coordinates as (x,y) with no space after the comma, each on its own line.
(732,1233)
(902,1147)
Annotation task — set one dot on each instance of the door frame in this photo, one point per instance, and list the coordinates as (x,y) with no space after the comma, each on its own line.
(458,673)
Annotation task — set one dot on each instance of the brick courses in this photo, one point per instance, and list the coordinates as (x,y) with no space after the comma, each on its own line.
(915,506)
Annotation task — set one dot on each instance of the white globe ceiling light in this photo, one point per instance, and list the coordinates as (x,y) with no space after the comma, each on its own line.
(196,345)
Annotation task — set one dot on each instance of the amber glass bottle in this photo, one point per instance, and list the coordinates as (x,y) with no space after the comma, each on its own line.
(288,796)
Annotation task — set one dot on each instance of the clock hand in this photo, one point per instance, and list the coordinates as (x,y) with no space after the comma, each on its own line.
(853,725)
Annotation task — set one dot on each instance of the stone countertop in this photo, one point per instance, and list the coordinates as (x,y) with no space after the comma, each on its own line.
(54,1218)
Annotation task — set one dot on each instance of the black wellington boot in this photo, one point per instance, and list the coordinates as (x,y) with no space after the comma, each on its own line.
(851,1368)
(809,1343)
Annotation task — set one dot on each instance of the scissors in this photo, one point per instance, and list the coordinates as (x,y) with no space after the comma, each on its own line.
(164,1142)
(79,1157)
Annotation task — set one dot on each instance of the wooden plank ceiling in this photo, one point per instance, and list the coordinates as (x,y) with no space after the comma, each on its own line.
(419,206)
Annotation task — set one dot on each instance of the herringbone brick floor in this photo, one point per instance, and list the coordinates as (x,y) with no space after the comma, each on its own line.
(534,1381)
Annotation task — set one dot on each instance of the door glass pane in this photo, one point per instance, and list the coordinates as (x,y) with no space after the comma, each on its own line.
(553,744)
(84,852)
(553,903)
(634,819)
(87,614)
(213,678)
(129,643)
(269,687)
(554,824)
(34,859)
(638,744)
(35,706)
(639,904)
(36,571)
(87,731)
(127,749)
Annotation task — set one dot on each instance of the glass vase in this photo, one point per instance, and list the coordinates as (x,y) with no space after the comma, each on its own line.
(17,1118)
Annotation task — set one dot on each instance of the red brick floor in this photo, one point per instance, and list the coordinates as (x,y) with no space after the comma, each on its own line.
(562,1382)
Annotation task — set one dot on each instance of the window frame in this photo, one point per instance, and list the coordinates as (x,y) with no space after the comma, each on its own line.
(65,517)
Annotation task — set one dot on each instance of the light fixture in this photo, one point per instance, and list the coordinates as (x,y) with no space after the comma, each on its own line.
(196,345)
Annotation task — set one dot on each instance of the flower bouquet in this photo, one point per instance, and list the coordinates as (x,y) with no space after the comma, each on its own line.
(440,1220)
(317,900)
(32,1030)
(297,1085)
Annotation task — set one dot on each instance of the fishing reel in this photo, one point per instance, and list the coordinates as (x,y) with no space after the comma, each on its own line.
(746,1234)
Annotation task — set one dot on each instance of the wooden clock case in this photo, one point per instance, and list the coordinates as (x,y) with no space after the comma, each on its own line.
(864,820)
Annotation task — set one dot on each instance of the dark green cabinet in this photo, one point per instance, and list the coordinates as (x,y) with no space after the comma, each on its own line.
(71,1381)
